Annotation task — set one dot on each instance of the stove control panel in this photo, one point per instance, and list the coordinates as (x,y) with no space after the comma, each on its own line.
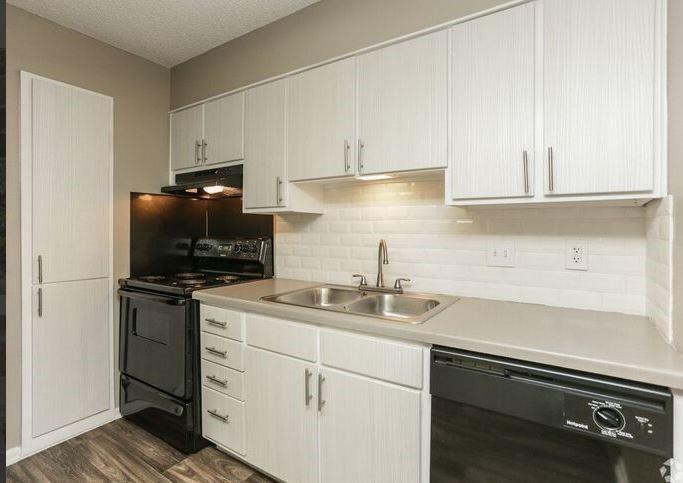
(233,248)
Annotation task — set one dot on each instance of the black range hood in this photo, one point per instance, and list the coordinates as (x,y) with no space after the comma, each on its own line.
(209,183)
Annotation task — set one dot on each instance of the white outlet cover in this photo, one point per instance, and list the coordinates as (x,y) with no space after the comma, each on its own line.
(500,253)
(576,255)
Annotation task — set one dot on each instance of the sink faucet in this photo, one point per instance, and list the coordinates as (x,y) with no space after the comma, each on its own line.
(382,259)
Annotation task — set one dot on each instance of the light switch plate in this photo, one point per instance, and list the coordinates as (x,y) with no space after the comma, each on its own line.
(500,253)
(576,255)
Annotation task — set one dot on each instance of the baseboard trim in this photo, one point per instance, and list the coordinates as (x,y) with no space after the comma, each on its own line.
(12,455)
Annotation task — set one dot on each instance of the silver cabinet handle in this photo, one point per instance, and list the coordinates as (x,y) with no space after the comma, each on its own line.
(217,323)
(525,160)
(360,155)
(215,351)
(220,382)
(197,145)
(321,402)
(40,269)
(204,145)
(215,414)
(40,302)
(347,147)
(307,386)
(278,190)
(551,174)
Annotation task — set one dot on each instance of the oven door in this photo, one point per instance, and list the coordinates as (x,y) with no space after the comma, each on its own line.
(156,341)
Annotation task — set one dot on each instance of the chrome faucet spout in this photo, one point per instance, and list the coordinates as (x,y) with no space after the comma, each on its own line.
(382,259)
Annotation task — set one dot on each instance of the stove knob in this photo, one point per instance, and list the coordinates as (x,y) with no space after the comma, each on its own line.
(237,248)
(608,418)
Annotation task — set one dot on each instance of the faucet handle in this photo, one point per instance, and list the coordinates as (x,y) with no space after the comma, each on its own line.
(397,283)
(363,280)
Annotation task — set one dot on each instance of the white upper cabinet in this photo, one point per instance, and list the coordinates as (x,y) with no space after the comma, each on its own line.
(492,123)
(265,178)
(209,133)
(599,96)
(186,137)
(320,122)
(224,129)
(402,106)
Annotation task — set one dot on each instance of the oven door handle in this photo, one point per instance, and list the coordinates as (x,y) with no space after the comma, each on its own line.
(151,298)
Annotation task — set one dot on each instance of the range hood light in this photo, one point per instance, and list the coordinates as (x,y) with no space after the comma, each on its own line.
(212,190)
(191,190)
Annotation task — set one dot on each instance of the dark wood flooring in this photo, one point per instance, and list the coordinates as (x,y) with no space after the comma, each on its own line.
(120,451)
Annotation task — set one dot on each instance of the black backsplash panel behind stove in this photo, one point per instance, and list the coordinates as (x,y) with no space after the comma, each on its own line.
(162,228)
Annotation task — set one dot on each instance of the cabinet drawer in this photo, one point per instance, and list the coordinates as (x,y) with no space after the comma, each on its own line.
(223,322)
(222,379)
(374,357)
(283,336)
(223,419)
(222,351)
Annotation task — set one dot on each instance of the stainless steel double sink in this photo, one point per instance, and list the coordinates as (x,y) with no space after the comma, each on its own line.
(412,308)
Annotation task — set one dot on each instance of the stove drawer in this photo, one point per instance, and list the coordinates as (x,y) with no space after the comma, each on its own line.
(223,420)
(223,322)
(220,350)
(222,379)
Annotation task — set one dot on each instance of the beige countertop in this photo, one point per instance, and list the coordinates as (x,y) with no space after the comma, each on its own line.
(612,344)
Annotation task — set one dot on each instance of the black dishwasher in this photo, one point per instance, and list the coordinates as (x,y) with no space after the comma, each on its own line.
(501,420)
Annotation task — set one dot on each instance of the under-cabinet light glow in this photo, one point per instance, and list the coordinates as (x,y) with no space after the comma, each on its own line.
(373,177)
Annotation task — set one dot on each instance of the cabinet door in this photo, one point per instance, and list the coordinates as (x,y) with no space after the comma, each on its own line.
(492,127)
(264,166)
(71,185)
(70,353)
(599,95)
(320,122)
(281,422)
(224,129)
(186,137)
(402,105)
(369,430)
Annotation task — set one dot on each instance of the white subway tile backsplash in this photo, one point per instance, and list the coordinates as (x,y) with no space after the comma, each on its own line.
(443,248)
(659,219)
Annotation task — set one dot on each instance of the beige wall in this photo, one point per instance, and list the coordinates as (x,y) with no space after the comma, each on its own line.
(319,32)
(675,101)
(141,96)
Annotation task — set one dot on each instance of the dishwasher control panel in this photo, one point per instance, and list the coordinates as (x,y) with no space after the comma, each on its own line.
(629,421)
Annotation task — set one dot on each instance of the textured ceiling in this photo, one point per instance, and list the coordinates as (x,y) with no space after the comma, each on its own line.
(167,32)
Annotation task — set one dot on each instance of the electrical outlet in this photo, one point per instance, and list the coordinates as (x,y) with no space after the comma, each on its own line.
(500,253)
(576,255)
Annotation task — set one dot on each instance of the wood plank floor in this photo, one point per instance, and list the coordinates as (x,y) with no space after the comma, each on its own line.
(120,451)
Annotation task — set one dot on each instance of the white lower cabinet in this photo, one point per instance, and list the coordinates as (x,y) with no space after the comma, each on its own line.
(319,405)
(223,419)
(369,430)
(282,420)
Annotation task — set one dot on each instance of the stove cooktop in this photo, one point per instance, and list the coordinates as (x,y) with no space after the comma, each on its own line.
(185,283)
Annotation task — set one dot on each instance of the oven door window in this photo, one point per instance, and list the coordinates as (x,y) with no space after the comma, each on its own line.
(154,341)
(470,445)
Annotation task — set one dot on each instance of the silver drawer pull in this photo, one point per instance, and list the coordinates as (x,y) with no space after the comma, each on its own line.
(220,382)
(215,351)
(217,323)
(215,414)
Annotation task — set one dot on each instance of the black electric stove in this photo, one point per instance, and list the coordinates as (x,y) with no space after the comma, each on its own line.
(159,335)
